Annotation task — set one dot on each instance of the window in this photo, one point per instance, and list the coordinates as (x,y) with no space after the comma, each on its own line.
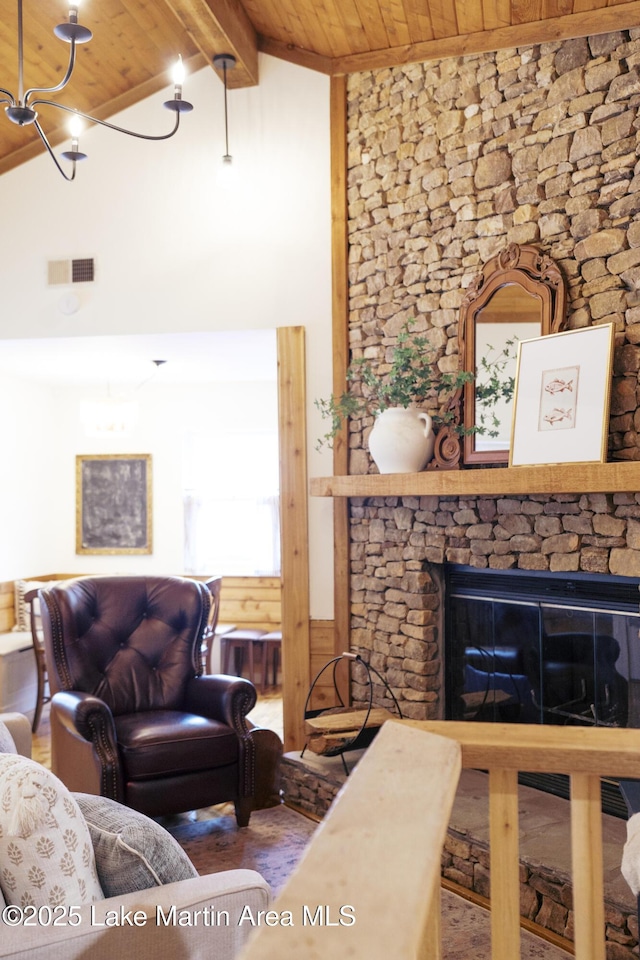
(231,503)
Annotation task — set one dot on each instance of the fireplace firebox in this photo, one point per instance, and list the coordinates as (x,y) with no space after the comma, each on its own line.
(529,647)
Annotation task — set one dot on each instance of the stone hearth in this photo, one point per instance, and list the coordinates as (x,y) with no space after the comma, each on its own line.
(311,783)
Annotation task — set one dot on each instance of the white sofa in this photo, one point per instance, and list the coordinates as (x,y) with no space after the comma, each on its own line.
(199,899)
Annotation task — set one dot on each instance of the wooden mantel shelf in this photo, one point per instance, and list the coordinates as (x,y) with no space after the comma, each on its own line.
(555,478)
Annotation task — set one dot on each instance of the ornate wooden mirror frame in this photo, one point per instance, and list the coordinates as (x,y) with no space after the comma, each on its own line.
(524,290)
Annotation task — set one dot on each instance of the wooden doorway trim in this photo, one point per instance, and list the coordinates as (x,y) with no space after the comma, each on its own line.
(296,653)
(340,346)
(294,531)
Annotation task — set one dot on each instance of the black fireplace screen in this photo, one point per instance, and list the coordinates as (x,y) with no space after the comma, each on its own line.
(542,648)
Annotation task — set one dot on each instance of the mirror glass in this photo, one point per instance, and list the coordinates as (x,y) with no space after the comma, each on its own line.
(511,314)
(520,294)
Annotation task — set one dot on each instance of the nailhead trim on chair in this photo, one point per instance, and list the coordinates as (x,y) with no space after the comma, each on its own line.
(242,705)
(206,608)
(106,758)
(56,631)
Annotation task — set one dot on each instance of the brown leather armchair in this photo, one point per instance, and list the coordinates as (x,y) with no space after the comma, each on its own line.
(132,716)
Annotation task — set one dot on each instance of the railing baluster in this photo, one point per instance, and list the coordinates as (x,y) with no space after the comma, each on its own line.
(431,946)
(587,867)
(505,870)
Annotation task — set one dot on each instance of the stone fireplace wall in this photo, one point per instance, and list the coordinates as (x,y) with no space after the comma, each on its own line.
(398,547)
(450,161)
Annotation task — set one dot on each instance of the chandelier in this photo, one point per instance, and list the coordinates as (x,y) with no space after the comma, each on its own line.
(22,109)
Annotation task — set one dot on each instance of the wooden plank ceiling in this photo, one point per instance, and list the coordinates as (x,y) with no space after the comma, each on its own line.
(135,42)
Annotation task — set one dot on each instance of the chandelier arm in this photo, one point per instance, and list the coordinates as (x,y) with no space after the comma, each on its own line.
(105,123)
(43,137)
(63,82)
(11,99)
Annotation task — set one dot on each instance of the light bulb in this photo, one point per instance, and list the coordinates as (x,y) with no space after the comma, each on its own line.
(178,72)
(75,126)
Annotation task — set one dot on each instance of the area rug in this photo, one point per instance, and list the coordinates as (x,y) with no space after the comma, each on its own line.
(466,933)
(273,844)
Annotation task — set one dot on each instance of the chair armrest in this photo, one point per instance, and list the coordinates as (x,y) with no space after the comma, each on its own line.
(200,898)
(227,699)
(84,747)
(85,713)
(20,729)
(268,757)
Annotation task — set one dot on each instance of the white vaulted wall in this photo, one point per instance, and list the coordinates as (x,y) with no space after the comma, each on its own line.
(178,247)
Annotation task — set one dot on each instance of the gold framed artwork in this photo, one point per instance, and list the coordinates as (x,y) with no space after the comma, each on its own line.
(562,397)
(113,503)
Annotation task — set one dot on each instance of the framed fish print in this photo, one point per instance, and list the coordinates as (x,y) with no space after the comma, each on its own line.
(562,397)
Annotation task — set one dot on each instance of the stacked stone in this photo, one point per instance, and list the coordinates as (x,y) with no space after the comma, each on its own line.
(546,897)
(399,544)
(450,161)
(307,790)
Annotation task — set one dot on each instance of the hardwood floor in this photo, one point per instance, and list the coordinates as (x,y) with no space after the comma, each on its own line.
(266,713)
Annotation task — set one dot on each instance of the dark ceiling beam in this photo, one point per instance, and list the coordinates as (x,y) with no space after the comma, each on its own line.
(222,26)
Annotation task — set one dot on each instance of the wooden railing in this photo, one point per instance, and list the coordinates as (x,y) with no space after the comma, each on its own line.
(365,885)
(379,847)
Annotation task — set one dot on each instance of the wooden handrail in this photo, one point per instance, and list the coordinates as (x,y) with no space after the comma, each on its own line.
(376,856)
(379,846)
(584,753)
(603,751)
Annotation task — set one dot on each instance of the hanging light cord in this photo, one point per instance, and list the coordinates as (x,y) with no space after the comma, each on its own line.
(226,115)
(222,61)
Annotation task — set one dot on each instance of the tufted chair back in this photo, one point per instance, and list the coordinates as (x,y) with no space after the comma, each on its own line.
(132,641)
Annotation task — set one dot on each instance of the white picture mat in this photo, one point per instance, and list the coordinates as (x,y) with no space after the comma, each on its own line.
(591,350)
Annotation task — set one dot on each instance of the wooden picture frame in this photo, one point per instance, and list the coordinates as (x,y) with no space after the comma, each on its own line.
(113,503)
(562,397)
(520,294)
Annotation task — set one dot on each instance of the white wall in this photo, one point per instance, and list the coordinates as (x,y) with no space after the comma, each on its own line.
(178,247)
(166,415)
(26,501)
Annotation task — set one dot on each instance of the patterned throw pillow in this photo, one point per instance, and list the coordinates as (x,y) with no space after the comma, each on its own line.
(132,852)
(46,856)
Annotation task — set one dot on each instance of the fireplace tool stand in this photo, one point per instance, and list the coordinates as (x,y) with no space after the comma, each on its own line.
(334,730)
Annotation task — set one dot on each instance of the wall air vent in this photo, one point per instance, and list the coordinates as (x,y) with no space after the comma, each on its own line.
(70,271)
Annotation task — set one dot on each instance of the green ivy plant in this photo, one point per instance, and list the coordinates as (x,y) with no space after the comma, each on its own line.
(413,378)
(493,384)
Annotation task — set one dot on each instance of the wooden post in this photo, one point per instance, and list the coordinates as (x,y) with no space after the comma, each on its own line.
(505,870)
(340,351)
(294,531)
(431,947)
(586,867)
